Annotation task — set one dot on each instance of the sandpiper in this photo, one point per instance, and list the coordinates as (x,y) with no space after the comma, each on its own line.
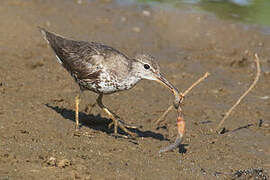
(104,70)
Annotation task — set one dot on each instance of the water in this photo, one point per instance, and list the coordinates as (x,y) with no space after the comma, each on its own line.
(247,11)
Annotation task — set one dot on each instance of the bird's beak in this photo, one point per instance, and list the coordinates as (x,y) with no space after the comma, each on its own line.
(162,80)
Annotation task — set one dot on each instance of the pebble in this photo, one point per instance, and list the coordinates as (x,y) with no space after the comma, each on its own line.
(264,124)
(136,29)
(146,13)
(63,163)
(123,19)
(264,97)
(51,161)
(258,173)
(79,1)
(260,44)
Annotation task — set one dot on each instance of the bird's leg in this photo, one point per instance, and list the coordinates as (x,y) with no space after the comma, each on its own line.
(77,101)
(89,108)
(114,117)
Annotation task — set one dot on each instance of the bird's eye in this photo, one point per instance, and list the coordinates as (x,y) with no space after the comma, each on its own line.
(146,66)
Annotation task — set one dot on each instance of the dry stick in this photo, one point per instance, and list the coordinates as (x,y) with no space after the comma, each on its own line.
(182,96)
(163,115)
(257,60)
(196,83)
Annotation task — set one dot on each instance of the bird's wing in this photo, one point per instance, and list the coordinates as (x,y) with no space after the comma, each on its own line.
(81,59)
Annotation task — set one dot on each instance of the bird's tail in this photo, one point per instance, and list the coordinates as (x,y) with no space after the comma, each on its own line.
(43,32)
(49,36)
(55,41)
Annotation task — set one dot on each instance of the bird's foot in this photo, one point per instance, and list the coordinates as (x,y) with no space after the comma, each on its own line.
(129,126)
(119,123)
(77,127)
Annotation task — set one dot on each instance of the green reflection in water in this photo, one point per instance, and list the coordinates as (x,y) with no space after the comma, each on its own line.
(250,11)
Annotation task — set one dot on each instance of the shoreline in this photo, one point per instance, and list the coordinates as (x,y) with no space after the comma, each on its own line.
(37,94)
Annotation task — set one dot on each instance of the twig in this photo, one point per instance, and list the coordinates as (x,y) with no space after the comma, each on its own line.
(182,95)
(164,115)
(196,83)
(257,60)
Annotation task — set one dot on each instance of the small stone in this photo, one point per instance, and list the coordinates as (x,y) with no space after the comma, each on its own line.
(79,1)
(146,13)
(63,163)
(216,91)
(266,125)
(136,29)
(264,97)
(51,161)
(123,19)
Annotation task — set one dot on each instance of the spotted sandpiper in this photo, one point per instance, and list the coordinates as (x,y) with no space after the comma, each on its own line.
(104,70)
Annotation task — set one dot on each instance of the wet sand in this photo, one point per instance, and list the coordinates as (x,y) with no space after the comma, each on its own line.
(37,137)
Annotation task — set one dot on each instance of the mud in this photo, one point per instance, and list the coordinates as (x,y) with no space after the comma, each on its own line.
(37,137)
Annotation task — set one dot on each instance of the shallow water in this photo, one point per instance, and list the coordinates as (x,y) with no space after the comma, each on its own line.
(248,11)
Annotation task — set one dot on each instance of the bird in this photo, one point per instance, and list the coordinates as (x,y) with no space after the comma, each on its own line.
(104,70)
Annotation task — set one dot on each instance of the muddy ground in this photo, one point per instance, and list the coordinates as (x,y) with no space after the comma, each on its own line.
(37,137)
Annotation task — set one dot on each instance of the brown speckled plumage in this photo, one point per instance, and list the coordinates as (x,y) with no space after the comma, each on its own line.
(103,69)
(94,66)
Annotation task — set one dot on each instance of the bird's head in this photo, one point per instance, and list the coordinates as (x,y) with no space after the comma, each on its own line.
(146,67)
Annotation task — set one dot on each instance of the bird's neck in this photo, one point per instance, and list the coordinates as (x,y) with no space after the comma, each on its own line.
(134,71)
(133,76)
